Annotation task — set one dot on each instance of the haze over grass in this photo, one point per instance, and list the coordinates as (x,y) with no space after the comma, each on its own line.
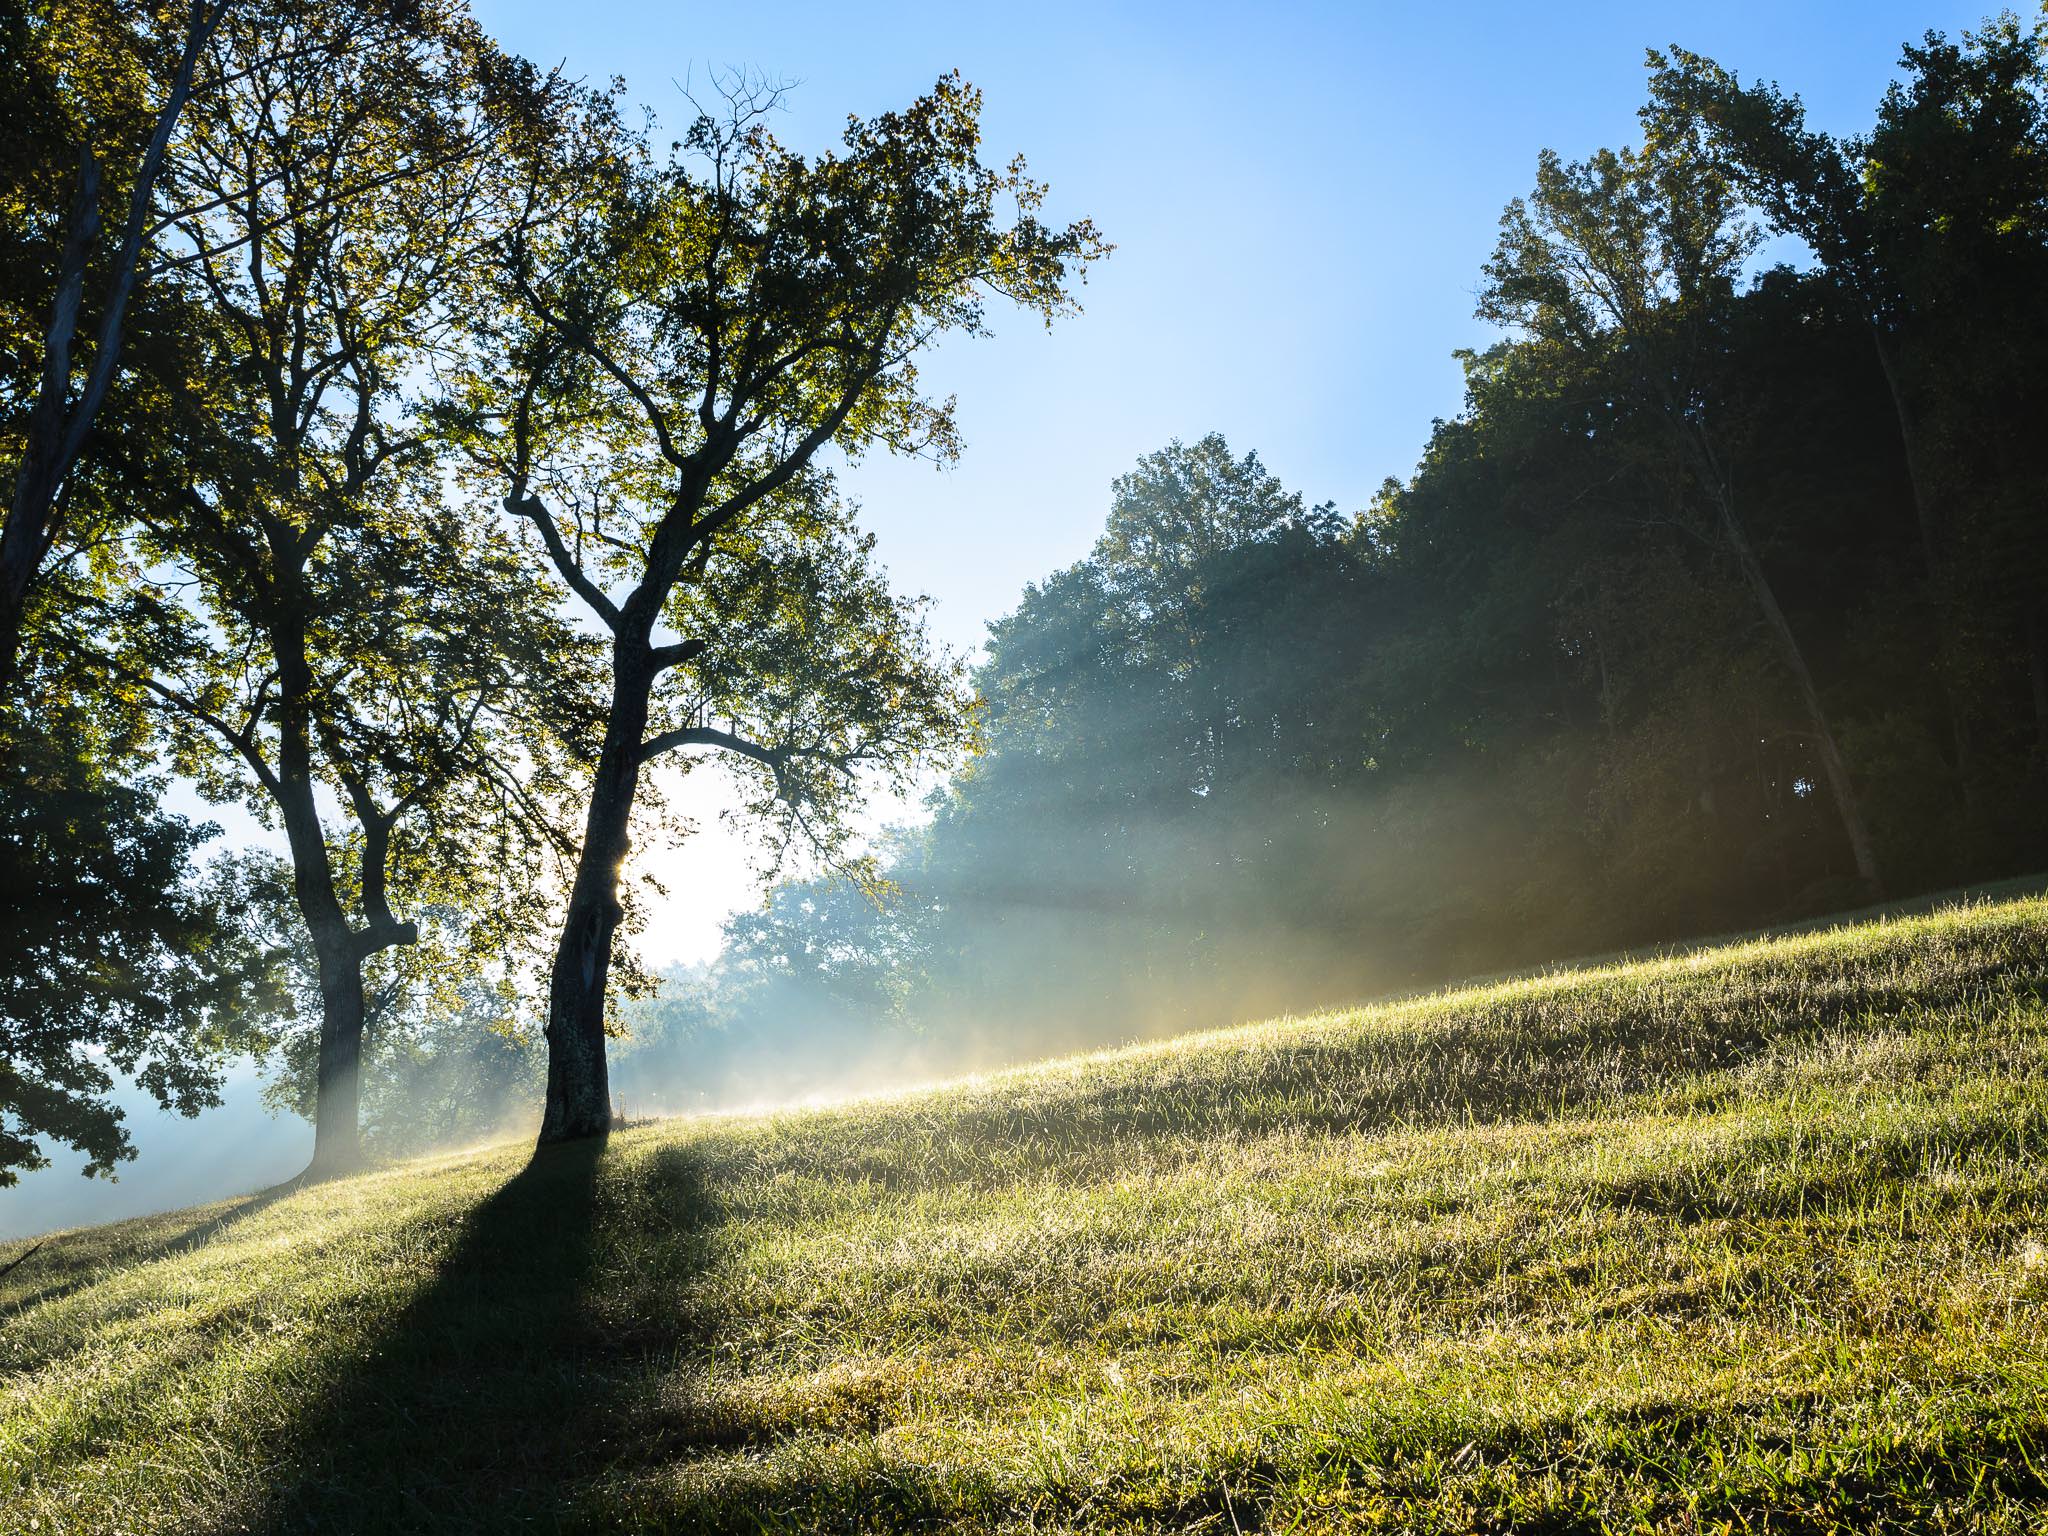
(1749,1238)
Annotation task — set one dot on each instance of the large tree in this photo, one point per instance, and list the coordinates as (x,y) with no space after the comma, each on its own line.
(328,639)
(709,326)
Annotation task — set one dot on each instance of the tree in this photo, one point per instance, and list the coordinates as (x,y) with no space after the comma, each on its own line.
(1926,226)
(447,1052)
(71,71)
(1809,185)
(1638,254)
(118,959)
(694,340)
(326,638)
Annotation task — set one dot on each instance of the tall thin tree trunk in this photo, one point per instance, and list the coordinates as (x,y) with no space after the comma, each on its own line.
(1861,848)
(26,537)
(337,1138)
(579,1083)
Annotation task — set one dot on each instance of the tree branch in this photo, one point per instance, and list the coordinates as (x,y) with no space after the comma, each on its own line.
(531,508)
(666,656)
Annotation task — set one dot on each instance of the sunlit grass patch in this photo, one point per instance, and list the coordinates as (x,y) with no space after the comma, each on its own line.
(1753,1238)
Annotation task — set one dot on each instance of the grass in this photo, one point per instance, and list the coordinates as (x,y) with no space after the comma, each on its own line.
(1750,1239)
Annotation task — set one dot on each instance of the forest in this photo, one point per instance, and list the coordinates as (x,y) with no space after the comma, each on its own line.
(408,449)
(1724,602)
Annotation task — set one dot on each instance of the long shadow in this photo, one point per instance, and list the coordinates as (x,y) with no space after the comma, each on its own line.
(497,1395)
(75,1260)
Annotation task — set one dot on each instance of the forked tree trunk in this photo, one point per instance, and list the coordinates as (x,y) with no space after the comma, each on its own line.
(579,1084)
(338,946)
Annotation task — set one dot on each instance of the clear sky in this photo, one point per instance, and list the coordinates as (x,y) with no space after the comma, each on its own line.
(1301,196)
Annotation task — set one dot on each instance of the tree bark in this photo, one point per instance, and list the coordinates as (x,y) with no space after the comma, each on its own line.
(579,1085)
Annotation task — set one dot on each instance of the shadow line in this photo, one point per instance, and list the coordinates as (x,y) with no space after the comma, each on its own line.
(493,1399)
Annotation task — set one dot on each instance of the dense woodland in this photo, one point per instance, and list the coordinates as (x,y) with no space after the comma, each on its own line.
(403,447)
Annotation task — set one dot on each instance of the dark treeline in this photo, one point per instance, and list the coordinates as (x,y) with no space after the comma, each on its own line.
(1723,602)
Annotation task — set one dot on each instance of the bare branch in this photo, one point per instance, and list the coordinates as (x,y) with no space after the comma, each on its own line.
(535,511)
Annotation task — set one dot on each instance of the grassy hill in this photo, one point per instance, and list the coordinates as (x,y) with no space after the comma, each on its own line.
(1745,1239)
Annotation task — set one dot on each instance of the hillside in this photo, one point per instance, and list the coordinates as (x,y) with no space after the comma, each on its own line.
(1745,1239)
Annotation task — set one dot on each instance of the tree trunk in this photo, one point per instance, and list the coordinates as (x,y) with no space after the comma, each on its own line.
(1861,847)
(42,466)
(579,1084)
(337,1131)
(337,1138)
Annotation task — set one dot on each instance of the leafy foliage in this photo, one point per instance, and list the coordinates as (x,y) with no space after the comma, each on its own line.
(120,958)
(684,343)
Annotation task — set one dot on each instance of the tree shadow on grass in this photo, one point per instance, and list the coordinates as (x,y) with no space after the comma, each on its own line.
(501,1391)
(71,1261)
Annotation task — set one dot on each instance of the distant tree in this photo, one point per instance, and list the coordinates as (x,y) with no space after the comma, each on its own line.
(1926,226)
(1562,689)
(692,342)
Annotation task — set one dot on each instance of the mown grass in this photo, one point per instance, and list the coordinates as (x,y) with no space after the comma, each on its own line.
(1745,1240)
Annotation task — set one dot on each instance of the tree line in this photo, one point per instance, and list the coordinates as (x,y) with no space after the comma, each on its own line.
(405,449)
(1724,601)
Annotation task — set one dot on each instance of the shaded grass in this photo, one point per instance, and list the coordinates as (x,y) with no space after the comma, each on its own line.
(1749,1239)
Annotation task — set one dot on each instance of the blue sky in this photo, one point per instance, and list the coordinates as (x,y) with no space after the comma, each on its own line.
(1300,195)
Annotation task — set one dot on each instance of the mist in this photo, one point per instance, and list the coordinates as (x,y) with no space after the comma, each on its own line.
(235,1149)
